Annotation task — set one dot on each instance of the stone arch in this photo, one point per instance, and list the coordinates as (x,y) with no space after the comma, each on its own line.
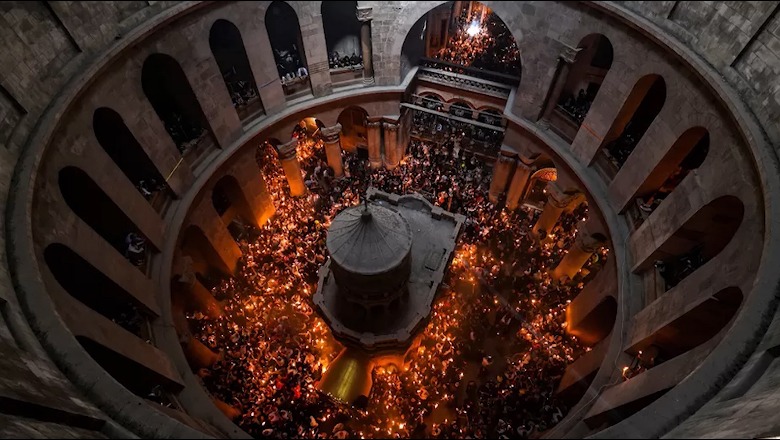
(581,85)
(284,33)
(702,237)
(687,154)
(229,52)
(354,129)
(536,193)
(91,287)
(231,203)
(341,26)
(169,91)
(92,205)
(120,144)
(639,110)
(461,108)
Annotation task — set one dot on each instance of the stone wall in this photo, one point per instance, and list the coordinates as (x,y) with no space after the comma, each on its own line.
(47,44)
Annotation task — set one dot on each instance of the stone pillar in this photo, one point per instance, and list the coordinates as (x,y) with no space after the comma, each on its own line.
(253,203)
(331,137)
(584,246)
(392,148)
(364,15)
(565,60)
(292,169)
(374,134)
(502,169)
(517,186)
(557,201)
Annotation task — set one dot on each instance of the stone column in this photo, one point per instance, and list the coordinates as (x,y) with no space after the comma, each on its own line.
(517,186)
(203,301)
(374,134)
(292,169)
(392,149)
(253,203)
(565,60)
(364,15)
(584,246)
(502,169)
(557,201)
(331,137)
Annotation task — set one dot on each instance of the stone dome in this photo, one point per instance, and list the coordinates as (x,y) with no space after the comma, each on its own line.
(369,239)
(370,250)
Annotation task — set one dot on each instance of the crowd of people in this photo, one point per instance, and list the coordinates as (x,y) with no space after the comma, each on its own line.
(622,147)
(289,65)
(451,132)
(336,61)
(577,107)
(488,362)
(492,48)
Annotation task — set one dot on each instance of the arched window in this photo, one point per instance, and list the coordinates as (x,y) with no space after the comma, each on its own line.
(342,34)
(87,200)
(461,110)
(227,46)
(353,128)
(284,33)
(490,116)
(170,93)
(697,241)
(686,155)
(582,84)
(638,112)
(231,204)
(119,143)
(94,289)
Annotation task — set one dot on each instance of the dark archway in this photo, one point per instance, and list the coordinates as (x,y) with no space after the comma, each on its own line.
(94,289)
(354,131)
(697,241)
(642,105)
(119,143)
(284,33)
(87,200)
(687,154)
(170,93)
(581,85)
(228,49)
(461,109)
(342,33)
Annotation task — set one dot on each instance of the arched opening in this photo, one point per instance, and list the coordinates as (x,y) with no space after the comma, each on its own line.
(284,33)
(354,133)
(342,39)
(687,154)
(463,37)
(94,289)
(490,116)
(119,143)
(461,110)
(536,194)
(692,329)
(231,205)
(581,85)
(205,258)
(140,380)
(170,93)
(87,200)
(697,241)
(228,49)
(638,112)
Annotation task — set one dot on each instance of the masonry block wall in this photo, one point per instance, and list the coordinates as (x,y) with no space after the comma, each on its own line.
(47,45)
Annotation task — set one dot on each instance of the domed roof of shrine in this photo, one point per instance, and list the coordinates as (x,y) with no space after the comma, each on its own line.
(369,239)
